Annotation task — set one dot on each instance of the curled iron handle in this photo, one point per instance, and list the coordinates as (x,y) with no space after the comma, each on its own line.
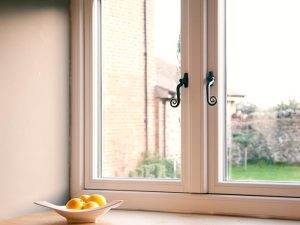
(183,81)
(210,79)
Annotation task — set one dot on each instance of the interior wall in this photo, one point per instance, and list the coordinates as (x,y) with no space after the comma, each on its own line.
(34,104)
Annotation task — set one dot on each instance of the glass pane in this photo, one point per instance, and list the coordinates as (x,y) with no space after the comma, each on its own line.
(140,50)
(263,98)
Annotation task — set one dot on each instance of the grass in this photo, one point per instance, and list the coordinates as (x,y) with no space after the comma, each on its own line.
(276,172)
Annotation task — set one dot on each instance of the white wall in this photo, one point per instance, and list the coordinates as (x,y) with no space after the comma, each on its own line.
(34,104)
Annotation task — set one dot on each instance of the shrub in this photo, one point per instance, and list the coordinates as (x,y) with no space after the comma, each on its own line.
(155,167)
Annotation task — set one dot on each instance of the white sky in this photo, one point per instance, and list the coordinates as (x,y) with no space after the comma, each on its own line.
(167,29)
(263,49)
(263,46)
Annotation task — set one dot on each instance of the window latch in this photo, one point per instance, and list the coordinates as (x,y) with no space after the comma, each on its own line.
(210,79)
(183,81)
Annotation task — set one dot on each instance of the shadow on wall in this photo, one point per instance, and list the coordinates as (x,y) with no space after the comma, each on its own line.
(34,99)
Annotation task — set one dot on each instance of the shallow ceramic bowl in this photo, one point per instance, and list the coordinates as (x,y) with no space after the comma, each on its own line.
(81,216)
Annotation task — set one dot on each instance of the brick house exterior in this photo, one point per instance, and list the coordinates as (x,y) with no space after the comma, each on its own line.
(135,102)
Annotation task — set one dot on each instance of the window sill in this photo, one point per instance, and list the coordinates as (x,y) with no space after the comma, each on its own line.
(234,205)
(124,217)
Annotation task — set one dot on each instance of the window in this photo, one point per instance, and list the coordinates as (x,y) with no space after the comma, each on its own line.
(136,140)
(129,143)
(263,125)
(140,66)
(257,113)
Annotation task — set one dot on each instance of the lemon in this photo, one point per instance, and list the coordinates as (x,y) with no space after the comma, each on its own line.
(100,199)
(75,203)
(90,205)
(84,197)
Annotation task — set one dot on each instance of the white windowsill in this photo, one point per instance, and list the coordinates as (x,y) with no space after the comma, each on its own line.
(235,205)
(145,218)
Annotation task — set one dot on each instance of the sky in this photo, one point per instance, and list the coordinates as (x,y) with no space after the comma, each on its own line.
(262,46)
(167,29)
(263,50)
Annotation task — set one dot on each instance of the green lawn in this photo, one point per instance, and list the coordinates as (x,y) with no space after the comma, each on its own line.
(266,172)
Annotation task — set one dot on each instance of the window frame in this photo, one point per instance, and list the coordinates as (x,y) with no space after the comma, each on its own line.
(192,180)
(226,204)
(217,120)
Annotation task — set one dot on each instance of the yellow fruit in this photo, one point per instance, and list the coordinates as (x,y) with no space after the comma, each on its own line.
(90,205)
(75,203)
(84,197)
(100,199)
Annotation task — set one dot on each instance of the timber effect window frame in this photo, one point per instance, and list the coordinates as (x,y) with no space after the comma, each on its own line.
(194,196)
(191,180)
(216,117)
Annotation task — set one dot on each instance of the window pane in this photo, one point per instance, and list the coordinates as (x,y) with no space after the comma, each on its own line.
(263,98)
(140,50)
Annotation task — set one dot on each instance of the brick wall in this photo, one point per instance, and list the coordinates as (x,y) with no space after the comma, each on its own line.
(133,115)
(123,70)
(152,104)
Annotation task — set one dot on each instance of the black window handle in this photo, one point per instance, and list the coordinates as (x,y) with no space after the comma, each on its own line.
(183,81)
(210,79)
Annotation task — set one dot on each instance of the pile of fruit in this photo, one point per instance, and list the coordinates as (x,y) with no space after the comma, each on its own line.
(86,202)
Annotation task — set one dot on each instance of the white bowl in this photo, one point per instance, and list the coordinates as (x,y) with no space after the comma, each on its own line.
(81,216)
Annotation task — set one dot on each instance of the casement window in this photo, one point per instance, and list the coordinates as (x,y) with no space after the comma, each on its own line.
(135,139)
(252,131)
(235,132)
